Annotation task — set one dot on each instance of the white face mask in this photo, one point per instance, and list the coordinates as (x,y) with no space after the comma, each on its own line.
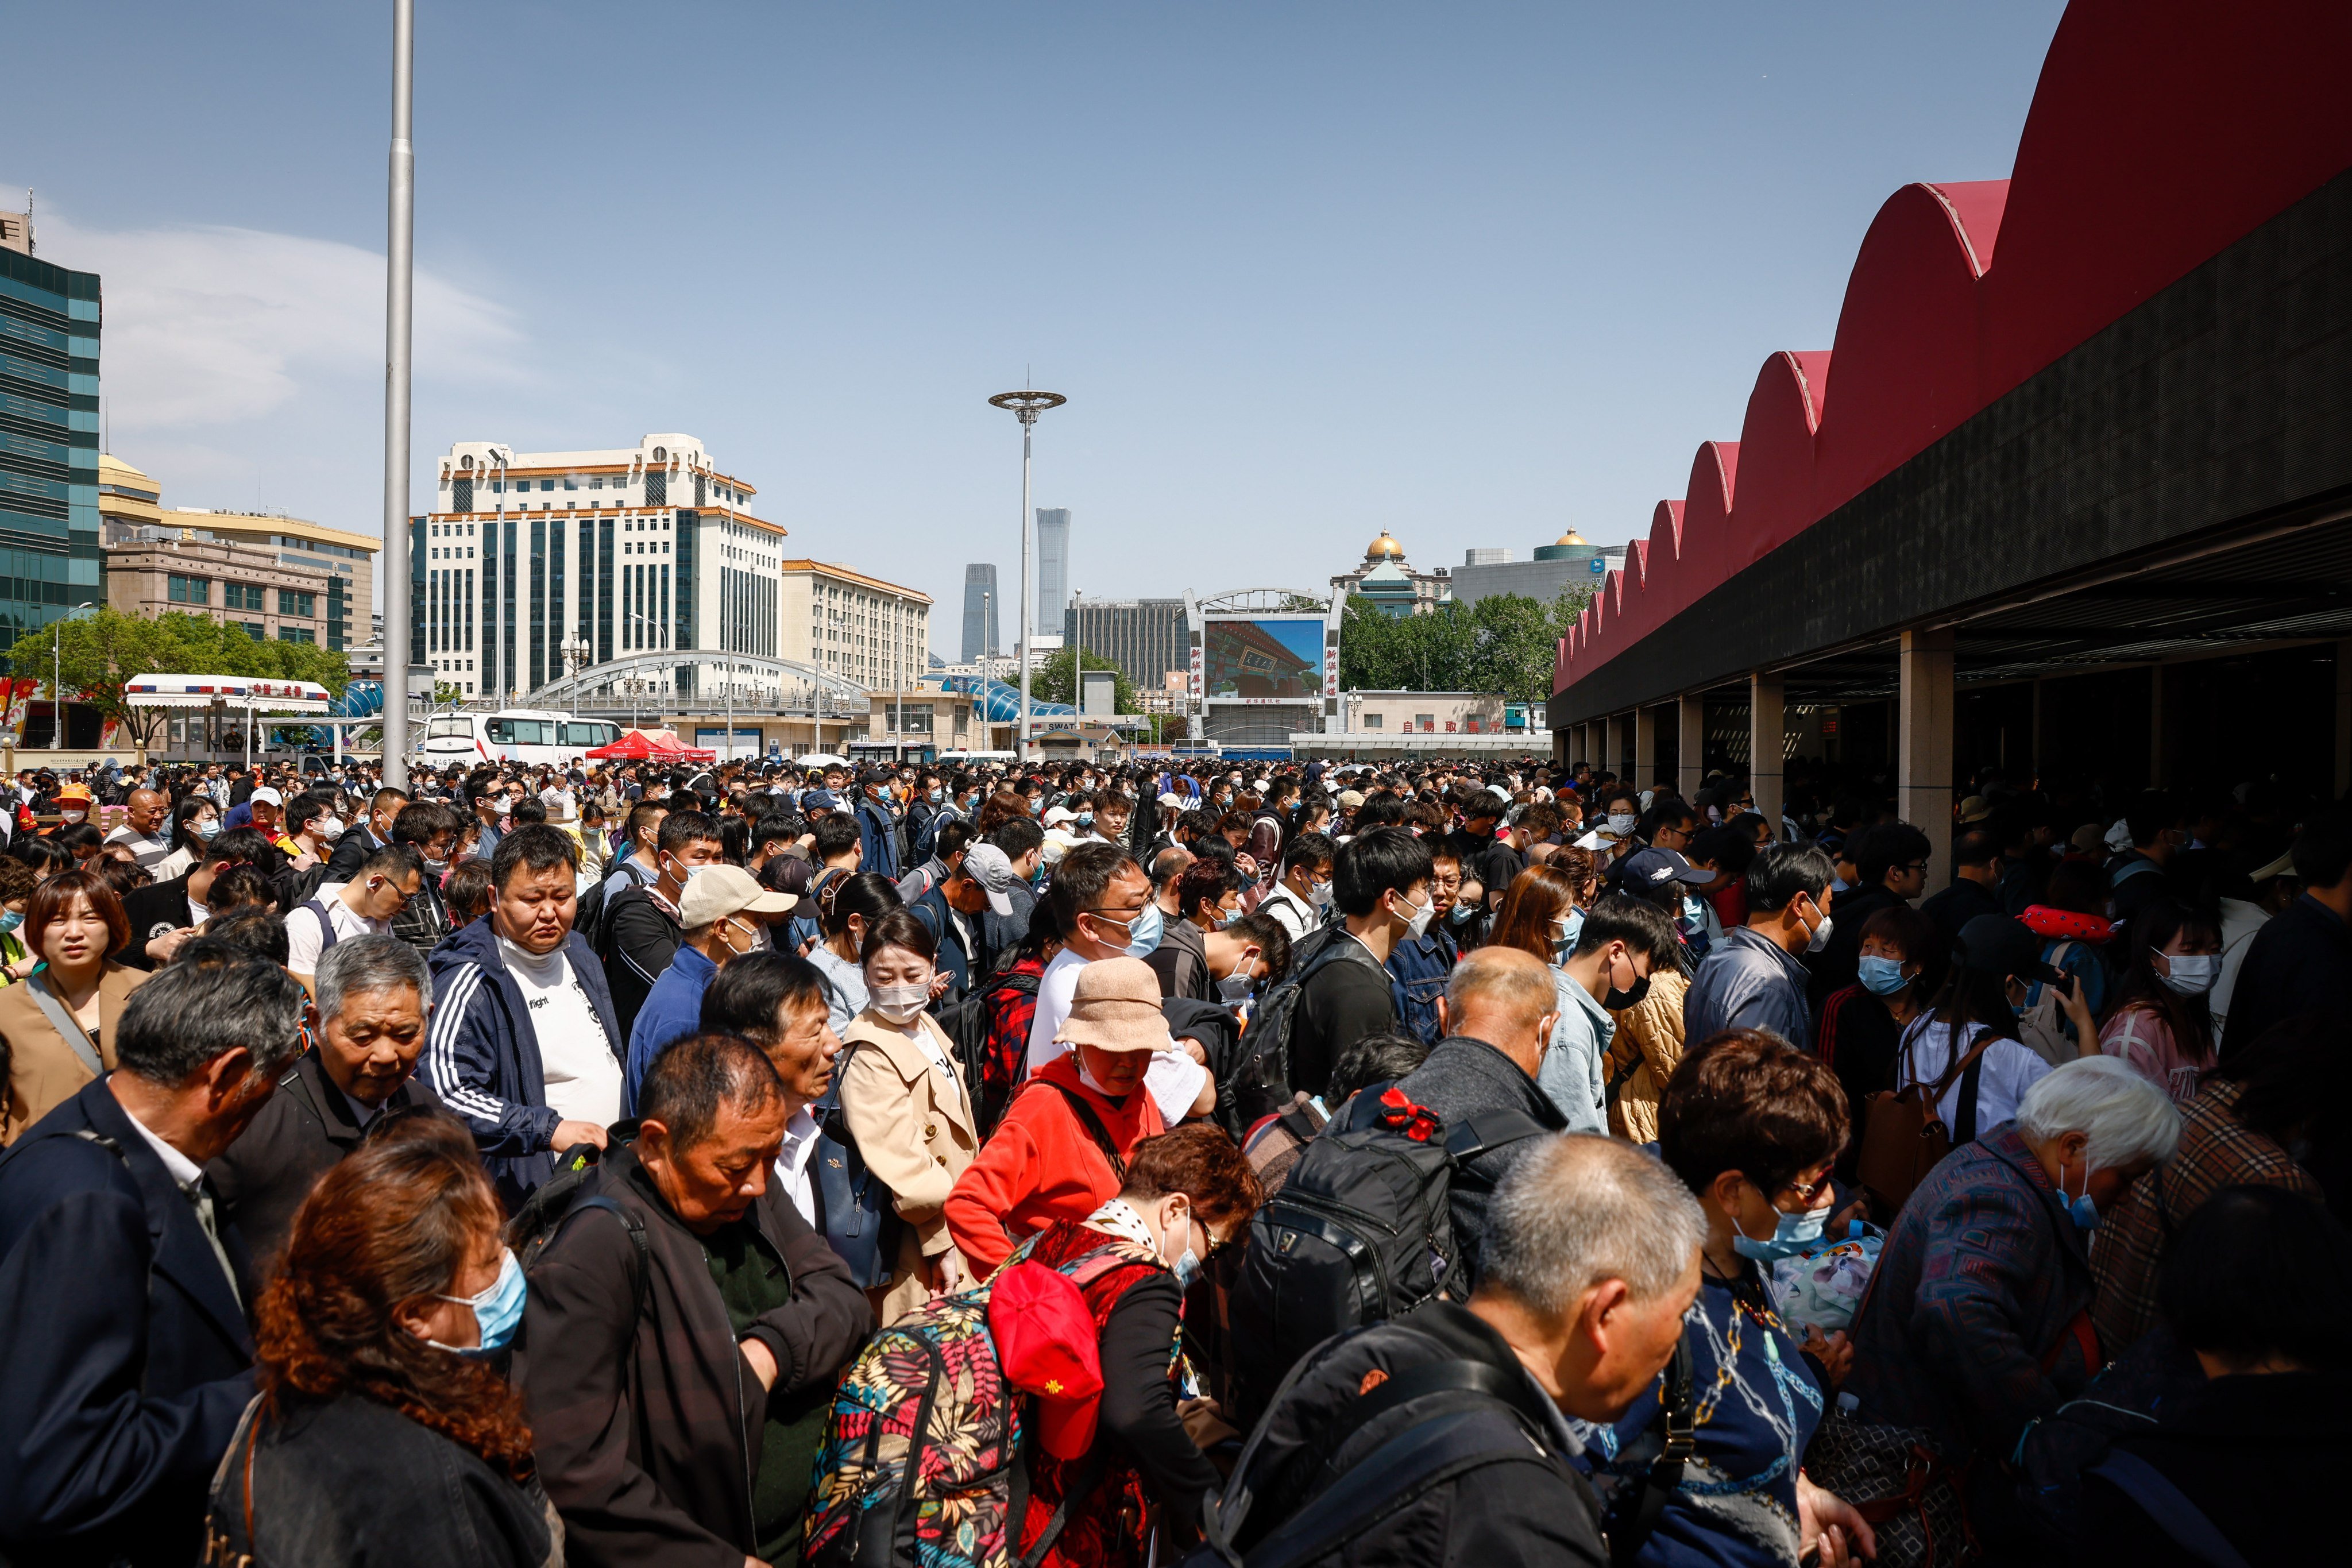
(1419,922)
(2192,973)
(899,1004)
(1621,823)
(330,828)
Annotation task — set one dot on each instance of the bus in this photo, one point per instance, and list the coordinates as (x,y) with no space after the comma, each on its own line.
(524,735)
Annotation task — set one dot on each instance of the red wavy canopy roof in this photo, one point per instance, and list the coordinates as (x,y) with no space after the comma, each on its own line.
(2161,132)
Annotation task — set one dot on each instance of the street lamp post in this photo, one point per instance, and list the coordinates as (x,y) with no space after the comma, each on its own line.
(400,278)
(1025,406)
(57,678)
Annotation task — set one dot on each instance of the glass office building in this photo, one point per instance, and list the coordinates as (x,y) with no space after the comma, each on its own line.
(49,442)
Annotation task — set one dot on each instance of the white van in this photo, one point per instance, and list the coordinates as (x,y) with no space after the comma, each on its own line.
(525,735)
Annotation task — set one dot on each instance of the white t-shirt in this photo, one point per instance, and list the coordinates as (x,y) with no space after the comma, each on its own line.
(2010,1070)
(305,941)
(1173,1078)
(575,1058)
(845,995)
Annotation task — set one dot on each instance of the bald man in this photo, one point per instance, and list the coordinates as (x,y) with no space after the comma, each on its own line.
(1496,1017)
(142,831)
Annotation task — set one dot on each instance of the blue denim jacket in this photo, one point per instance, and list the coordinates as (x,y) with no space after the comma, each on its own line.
(1417,973)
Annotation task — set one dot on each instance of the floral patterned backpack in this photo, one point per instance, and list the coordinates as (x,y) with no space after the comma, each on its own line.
(921,1462)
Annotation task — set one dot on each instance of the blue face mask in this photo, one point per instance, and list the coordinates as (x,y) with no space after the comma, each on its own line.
(9,921)
(2080,1208)
(207,827)
(1143,935)
(1883,976)
(1792,1235)
(1085,819)
(1461,913)
(938,795)
(498,1312)
(1565,940)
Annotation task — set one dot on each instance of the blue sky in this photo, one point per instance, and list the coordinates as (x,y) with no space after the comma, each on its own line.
(1305,271)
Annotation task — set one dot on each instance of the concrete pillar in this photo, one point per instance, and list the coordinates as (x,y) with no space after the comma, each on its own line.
(1765,745)
(1620,743)
(2033,744)
(1922,790)
(1645,747)
(2343,717)
(1690,742)
(2156,726)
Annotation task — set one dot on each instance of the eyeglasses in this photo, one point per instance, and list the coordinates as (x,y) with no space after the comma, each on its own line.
(1809,1191)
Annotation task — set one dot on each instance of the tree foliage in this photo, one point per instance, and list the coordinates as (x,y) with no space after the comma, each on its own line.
(95,654)
(1505,644)
(1056,682)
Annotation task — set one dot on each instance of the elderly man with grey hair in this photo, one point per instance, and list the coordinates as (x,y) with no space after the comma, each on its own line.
(124,1290)
(373,996)
(1978,1323)
(1591,1259)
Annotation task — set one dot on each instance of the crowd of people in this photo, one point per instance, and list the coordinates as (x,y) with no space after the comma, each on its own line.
(1166,1161)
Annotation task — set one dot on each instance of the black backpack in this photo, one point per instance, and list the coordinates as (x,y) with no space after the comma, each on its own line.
(965,1022)
(559,1197)
(1262,1084)
(1360,1233)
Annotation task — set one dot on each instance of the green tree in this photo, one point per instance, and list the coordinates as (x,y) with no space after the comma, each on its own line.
(1056,681)
(1505,644)
(97,653)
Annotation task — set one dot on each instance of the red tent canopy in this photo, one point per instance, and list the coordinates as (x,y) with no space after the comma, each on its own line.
(637,746)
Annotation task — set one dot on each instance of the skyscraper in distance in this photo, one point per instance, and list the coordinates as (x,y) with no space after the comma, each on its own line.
(982,610)
(1053,566)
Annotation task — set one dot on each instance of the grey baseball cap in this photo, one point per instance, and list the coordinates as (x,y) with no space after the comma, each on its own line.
(986,865)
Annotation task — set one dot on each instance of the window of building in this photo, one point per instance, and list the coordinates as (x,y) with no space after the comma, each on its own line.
(571,481)
(597,481)
(242,596)
(1425,720)
(253,629)
(290,602)
(190,590)
(295,634)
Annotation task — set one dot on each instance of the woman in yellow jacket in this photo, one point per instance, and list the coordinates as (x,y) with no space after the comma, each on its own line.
(908,1106)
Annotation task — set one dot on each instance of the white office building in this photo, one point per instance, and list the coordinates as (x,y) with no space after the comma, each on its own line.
(532,563)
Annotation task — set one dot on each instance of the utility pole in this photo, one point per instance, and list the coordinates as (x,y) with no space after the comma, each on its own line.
(400,279)
(1026,406)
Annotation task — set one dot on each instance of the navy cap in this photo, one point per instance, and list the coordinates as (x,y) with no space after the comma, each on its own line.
(1647,868)
(819,800)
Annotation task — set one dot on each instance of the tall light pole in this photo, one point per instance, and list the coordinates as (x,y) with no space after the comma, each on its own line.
(57,678)
(1025,406)
(400,276)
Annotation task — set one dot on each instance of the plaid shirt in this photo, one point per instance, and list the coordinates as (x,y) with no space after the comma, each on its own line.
(2216,1150)
(1005,1061)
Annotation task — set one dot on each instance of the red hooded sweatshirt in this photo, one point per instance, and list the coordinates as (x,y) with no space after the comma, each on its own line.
(1041,1164)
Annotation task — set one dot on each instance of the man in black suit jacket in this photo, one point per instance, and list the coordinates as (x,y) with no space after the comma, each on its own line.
(364,837)
(129,1360)
(164,914)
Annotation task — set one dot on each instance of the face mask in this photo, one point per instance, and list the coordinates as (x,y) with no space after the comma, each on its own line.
(1235,988)
(2193,973)
(1085,819)
(1631,996)
(938,795)
(1567,929)
(1321,895)
(1621,823)
(1461,914)
(1419,921)
(497,1311)
(9,921)
(1188,1266)
(439,867)
(73,815)
(2080,1208)
(1791,1235)
(1883,976)
(899,1004)
(330,828)
(205,828)
(1144,932)
(1820,937)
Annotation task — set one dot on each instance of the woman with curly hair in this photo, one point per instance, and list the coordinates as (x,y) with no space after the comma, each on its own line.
(377,1393)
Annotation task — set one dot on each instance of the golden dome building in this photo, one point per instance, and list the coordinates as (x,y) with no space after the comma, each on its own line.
(1389,581)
